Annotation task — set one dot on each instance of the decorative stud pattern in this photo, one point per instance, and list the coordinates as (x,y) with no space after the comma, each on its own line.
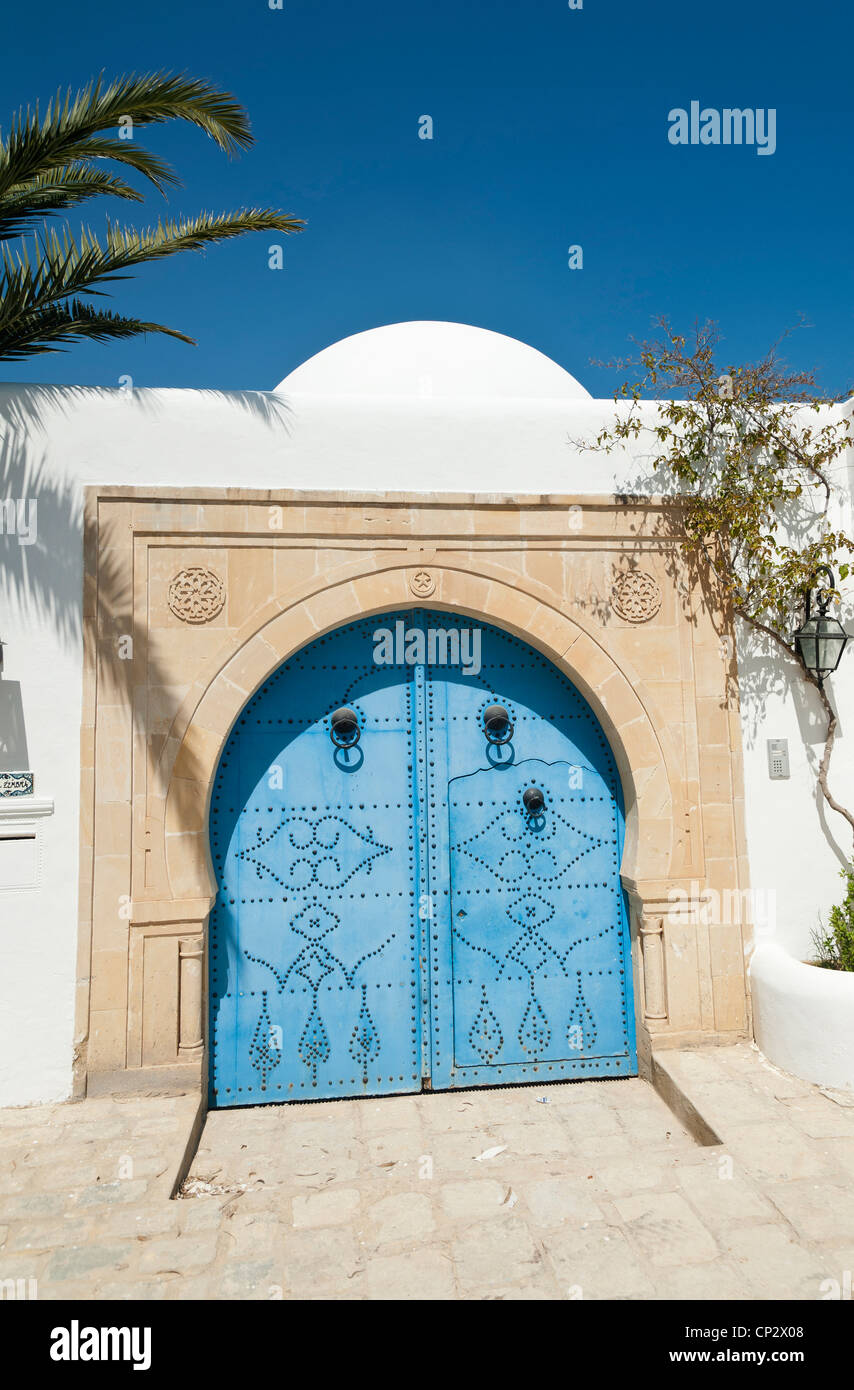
(391,911)
(364,1042)
(313,947)
(534,1031)
(314,1040)
(538,937)
(582,1025)
(263,1052)
(196,595)
(313,852)
(636,596)
(486,1037)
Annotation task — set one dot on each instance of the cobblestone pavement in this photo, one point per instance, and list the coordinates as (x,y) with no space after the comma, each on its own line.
(579,1190)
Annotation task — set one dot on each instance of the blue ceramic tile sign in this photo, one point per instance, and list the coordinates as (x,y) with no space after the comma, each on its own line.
(16,784)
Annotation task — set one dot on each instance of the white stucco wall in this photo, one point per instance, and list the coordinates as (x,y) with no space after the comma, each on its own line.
(797,844)
(804,1017)
(437,417)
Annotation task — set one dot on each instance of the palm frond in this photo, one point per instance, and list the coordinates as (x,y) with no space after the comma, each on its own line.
(55,191)
(51,329)
(58,267)
(128,246)
(48,164)
(67,130)
(134,156)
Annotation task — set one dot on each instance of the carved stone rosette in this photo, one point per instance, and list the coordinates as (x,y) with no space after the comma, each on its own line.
(636,597)
(196,595)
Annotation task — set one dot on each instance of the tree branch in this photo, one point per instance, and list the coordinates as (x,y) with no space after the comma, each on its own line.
(825,761)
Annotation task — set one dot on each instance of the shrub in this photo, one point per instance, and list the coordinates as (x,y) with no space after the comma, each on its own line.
(835,946)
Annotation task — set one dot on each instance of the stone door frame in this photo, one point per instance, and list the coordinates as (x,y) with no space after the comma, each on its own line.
(146,879)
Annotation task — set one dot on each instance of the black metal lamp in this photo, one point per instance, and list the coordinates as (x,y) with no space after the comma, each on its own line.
(497,724)
(821,640)
(344,731)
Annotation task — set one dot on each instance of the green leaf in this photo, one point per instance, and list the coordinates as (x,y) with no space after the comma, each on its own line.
(55,161)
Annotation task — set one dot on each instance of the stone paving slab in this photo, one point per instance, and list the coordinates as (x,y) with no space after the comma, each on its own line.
(590,1190)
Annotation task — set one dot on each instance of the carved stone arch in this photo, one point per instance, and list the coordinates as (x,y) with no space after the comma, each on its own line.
(640,743)
(144,837)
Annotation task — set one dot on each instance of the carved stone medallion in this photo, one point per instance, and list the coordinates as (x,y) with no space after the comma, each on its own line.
(196,595)
(636,597)
(422,583)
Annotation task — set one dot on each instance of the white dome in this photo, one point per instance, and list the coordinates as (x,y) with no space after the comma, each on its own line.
(425,359)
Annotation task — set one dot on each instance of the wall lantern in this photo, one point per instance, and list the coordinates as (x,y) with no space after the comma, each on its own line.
(821,640)
(345,731)
(497,724)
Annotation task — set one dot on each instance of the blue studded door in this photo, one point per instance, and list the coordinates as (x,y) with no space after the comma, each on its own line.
(412,888)
(530,951)
(315,980)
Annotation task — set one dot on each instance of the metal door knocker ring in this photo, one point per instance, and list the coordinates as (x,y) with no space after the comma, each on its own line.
(534,801)
(345,731)
(497,724)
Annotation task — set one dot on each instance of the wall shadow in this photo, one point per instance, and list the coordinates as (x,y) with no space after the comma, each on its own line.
(45,573)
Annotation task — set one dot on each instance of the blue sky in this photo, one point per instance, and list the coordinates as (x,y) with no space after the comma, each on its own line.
(550,129)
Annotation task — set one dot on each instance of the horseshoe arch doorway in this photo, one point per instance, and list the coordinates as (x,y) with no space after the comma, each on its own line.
(416,894)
